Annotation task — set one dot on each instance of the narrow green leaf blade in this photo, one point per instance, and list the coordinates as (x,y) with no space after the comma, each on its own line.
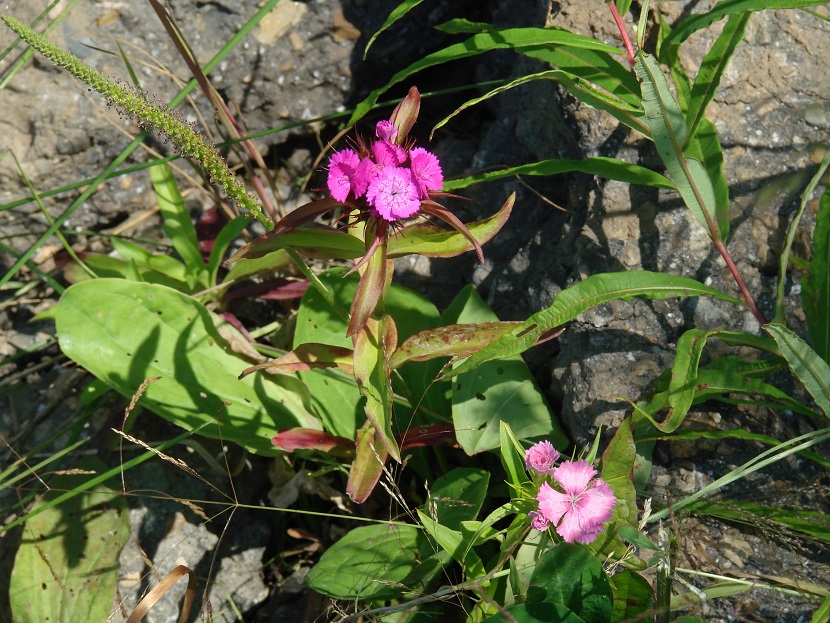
(692,24)
(177,224)
(580,297)
(712,68)
(397,13)
(496,39)
(805,364)
(608,168)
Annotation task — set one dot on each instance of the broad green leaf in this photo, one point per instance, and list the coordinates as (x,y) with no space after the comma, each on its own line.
(806,365)
(633,596)
(397,13)
(495,392)
(571,576)
(816,297)
(580,297)
(375,562)
(458,496)
(712,68)
(453,542)
(669,132)
(177,224)
(436,242)
(125,333)
(512,457)
(496,39)
(692,24)
(65,568)
(630,115)
(609,168)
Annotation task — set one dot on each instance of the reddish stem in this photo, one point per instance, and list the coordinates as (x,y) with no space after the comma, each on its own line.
(623,32)
(750,302)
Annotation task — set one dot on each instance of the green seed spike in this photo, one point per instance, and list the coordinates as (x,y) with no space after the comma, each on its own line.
(133,102)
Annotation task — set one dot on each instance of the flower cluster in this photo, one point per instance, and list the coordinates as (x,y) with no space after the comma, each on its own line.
(391,178)
(581,508)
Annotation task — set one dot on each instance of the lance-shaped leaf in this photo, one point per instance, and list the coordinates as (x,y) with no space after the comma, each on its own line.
(432,241)
(307,357)
(374,278)
(372,376)
(322,243)
(368,464)
(805,364)
(669,132)
(816,297)
(580,297)
(456,340)
(292,439)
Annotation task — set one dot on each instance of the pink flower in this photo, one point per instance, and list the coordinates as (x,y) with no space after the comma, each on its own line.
(538,521)
(583,507)
(540,457)
(348,173)
(387,154)
(426,170)
(393,193)
(386,130)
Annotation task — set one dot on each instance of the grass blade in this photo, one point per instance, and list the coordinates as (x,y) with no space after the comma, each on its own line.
(805,364)
(397,13)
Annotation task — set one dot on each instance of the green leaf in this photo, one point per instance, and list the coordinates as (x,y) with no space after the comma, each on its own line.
(705,146)
(166,265)
(312,242)
(495,392)
(630,115)
(617,470)
(458,496)
(433,241)
(580,297)
(805,364)
(712,68)
(269,263)
(816,299)
(609,168)
(512,457)
(230,232)
(540,612)
(813,524)
(177,224)
(125,333)
(692,24)
(375,562)
(495,39)
(453,542)
(107,266)
(633,596)
(570,576)
(397,13)
(669,132)
(65,568)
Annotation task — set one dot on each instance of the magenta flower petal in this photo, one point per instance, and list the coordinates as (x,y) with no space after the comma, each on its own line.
(388,154)
(386,131)
(540,457)
(393,193)
(580,512)
(342,168)
(538,521)
(426,169)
